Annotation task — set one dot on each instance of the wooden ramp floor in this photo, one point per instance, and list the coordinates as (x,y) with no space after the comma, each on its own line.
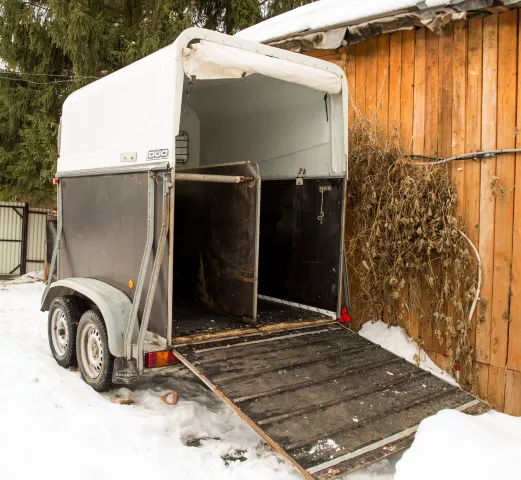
(324,397)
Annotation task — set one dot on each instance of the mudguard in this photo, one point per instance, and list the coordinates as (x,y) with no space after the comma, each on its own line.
(114,305)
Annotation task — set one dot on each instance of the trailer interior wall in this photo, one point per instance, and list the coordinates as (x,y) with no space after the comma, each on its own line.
(286,129)
(279,125)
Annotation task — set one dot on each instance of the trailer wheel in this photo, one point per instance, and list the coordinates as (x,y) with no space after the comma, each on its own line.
(92,349)
(64,315)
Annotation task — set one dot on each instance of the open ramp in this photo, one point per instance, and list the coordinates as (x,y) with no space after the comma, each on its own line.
(324,397)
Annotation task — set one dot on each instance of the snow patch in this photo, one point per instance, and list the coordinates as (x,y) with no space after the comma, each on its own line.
(323,445)
(30,277)
(396,341)
(452,445)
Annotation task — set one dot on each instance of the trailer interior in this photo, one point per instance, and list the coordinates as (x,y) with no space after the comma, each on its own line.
(267,250)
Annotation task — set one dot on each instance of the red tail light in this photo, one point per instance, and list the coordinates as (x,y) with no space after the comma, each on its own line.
(55,181)
(163,358)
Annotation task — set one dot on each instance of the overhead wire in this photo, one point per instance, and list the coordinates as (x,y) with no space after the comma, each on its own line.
(4,70)
(465,156)
(18,77)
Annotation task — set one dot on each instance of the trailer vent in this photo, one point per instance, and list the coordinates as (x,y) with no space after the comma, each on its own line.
(181,148)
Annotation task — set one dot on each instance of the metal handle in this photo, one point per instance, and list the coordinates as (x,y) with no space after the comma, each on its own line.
(203,177)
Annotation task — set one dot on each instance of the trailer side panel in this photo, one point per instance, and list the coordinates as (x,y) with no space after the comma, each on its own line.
(104,235)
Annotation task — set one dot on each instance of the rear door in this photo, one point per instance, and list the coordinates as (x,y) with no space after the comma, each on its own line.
(217,239)
(325,398)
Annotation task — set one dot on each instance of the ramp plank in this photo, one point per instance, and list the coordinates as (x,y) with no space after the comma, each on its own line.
(325,398)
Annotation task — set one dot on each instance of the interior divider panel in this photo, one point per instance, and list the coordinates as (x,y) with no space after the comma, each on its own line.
(324,398)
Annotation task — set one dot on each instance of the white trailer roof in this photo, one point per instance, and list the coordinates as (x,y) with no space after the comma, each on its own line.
(120,119)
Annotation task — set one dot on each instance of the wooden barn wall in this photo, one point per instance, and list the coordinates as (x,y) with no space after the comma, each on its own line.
(451,94)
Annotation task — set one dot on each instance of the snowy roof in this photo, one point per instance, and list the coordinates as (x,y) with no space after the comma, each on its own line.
(332,23)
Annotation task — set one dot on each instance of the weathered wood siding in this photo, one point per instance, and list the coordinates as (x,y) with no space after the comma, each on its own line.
(448,95)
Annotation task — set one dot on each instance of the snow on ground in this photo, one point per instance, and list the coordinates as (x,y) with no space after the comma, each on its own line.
(30,277)
(51,422)
(395,340)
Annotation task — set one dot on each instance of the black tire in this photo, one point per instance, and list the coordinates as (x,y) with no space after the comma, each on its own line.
(62,324)
(92,326)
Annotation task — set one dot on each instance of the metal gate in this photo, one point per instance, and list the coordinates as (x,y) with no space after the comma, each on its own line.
(22,238)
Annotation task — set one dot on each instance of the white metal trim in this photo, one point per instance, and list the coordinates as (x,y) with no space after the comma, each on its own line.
(329,313)
(264,340)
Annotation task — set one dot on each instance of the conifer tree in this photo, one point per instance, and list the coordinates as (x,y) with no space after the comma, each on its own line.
(50,48)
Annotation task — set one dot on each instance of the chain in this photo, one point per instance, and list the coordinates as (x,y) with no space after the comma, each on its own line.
(189,94)
(322,214)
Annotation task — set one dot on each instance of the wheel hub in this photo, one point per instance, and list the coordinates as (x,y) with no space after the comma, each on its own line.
(59,332)
(92,351)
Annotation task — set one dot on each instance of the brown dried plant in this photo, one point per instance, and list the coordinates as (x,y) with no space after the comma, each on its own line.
(407,258)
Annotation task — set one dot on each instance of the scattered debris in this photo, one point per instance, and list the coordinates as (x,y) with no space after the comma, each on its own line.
(170,398)
(123,401)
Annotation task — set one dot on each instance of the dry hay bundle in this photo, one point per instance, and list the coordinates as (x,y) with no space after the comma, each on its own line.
(405,248)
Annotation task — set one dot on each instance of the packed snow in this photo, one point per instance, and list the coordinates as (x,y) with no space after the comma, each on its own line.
(395,340)
(52,422)
(452,445)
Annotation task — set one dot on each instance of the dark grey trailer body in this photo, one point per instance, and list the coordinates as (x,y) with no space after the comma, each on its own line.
(104,234)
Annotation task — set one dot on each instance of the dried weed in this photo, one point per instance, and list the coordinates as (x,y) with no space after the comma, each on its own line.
(405,252)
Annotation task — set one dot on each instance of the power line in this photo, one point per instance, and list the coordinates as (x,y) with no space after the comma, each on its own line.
(71,77)
(14,79)
(32,82)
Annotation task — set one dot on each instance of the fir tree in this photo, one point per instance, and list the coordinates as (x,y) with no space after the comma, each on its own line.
(50,48)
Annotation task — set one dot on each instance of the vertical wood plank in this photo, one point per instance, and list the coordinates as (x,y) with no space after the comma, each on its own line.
(481,387)
(395,79)
(406,130)
(371,78)
(350,70)
(445,118)
(513,393)
(445,102)
(382,83)
(416,321)
(488,171)
(361,70)
(459,76)
(473,126)
(472,169)
(431,148)
(431,93)
(514,334)
(418,134)
(496,387)
(407,89)
(506,124)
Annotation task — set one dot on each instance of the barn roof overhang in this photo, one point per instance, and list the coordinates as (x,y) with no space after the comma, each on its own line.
(330,24)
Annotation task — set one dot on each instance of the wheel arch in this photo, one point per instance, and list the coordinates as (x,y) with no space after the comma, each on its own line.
(113,304)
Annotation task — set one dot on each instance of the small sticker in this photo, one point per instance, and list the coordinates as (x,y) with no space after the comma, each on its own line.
(159,154)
